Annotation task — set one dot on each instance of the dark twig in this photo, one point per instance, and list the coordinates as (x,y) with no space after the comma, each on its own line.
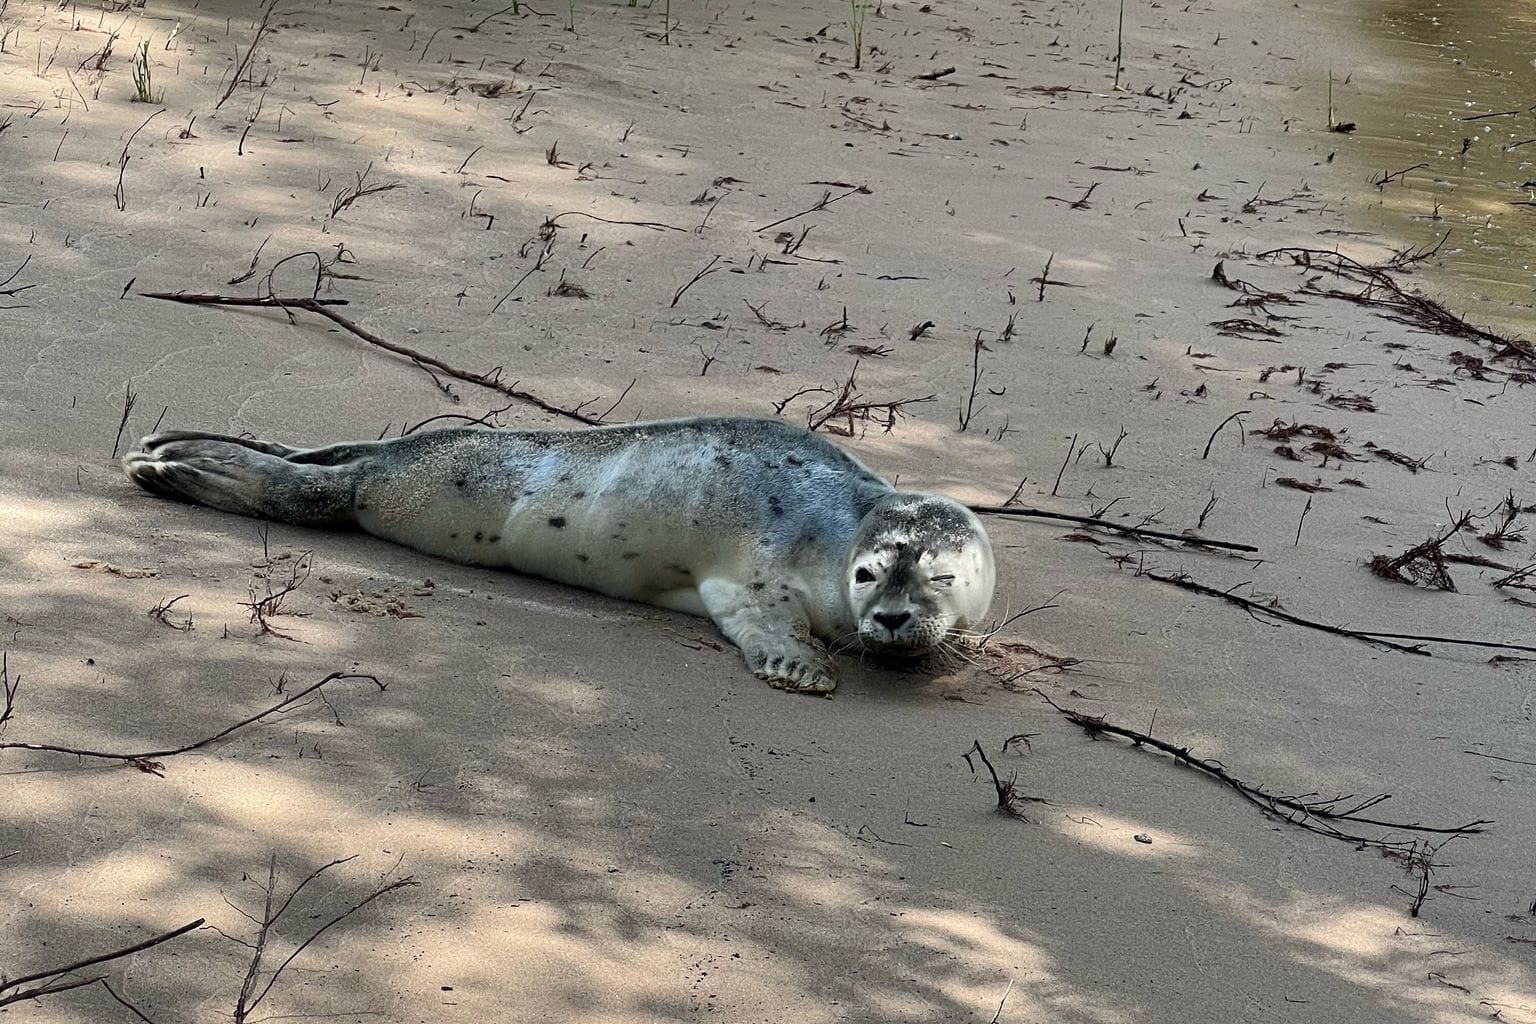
(10,292)
(51,978)
(491,380)
(352,193)
(1315,816)
(148,761)
(1240,435)
(488,420)
(709,268)
(1070,449)
(244,62)
(652,224)
(1025,512)
(264,608)
(158,612)
(10,686)
(538,264)
(1081,202)
(1423,564)
(1370,636)
(968,411)
(120,195)
(826,200)
(1302,522)
(1380,290)
(250,997)
(1009,799)
(848,405)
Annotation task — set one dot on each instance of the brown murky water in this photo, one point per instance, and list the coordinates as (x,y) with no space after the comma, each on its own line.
(1451,86)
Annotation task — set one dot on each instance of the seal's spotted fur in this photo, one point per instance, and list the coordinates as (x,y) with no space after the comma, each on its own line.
(779,536)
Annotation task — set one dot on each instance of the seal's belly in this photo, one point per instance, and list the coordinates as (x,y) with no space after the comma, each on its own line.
(597,525)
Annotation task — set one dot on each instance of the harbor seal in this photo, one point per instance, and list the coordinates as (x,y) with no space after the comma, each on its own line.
(783,539)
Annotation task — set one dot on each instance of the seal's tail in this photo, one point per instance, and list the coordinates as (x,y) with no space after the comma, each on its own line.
(245,476)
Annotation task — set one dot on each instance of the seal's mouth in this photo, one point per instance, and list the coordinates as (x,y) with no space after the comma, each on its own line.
(903,646)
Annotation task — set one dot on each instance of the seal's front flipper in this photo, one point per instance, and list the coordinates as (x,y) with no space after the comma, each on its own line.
(777,643)
(245,477)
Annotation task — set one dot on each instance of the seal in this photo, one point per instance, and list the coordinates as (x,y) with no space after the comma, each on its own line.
(783,539)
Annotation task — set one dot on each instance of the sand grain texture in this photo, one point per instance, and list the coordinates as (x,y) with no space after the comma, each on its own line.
(609,818)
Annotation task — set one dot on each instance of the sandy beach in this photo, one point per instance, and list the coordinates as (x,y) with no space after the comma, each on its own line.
(1031,275)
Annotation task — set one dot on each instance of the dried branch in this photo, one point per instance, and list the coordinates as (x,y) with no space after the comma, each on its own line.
(158,613)
(250,997)
(848,405)
(1379,290)
(52,981)
(245,62)
(10,686)
(1379,638)
(148,761)
(1009,800)
(491,380)
(1314,815)
(8,290)
(1025,512)
(352,193)
(1235,416)
(1422,565)
(826,200)
(709,268)
(262,609)
(652,224)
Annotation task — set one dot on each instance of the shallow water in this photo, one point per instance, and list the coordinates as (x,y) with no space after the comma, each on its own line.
(1430,70)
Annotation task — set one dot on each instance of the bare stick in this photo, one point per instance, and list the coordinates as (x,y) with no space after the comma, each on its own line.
(709,268)
(249,997)
(1009,799)
(1312,815)
(477,26)
(491,380)
(352,193)
(120,196)
(654,225)
(158,612)
(10,686)
(969,409)
(826,200)
(9,292)
(488,420)
(1371,636)
(1302,522)
(1024,512)
(1002,1003)
(1064,461)
(244,62)
(1229,419)
(50,987)
(538,264)
(147,761)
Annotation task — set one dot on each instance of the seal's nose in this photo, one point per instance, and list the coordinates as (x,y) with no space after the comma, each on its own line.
(892,620)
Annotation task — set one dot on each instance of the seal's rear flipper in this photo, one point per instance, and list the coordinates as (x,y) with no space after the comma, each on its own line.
(245,476)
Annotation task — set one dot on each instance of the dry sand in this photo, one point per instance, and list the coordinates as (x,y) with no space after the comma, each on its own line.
(609,819)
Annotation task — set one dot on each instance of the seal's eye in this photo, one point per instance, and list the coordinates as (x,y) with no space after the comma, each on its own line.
(946,580)
(863,575)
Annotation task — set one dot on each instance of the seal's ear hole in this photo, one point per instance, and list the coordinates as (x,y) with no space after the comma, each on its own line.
(863,575)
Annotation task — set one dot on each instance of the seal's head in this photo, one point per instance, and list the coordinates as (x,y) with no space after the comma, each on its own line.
(920,566)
